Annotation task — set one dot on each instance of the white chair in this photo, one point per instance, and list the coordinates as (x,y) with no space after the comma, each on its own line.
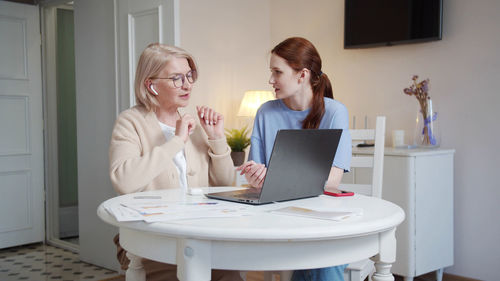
(376,162)
(358,271)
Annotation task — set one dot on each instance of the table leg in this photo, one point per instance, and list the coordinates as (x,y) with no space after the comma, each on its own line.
(135,271)
(194,260)
(439,274)
(385,258)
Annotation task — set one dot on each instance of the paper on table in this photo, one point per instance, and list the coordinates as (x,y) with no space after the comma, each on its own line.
(198,214)
(165,207)
(335,215)
(122,213)
(161,210)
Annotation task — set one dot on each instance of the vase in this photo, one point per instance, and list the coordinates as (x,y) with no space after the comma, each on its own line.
(427,133)
(238,157)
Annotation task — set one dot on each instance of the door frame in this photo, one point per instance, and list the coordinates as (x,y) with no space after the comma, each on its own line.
(48,23)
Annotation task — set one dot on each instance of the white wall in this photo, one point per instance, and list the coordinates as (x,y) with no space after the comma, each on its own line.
(230,41)
(95,99)
(464,71)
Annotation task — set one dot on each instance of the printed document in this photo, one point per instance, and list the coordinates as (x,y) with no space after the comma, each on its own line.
(326,214)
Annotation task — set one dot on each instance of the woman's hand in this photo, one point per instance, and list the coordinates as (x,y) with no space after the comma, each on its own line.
(211,121)
(334,179)
(254,173)
(184,126)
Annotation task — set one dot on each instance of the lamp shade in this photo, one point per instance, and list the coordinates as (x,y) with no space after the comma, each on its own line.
(252,101)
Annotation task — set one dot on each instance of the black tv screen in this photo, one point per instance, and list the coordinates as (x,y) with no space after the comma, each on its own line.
(371,23)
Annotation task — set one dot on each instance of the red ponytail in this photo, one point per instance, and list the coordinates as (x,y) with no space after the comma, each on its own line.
(299,54)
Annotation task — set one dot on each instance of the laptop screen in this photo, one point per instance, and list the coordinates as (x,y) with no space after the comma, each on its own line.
(300,163)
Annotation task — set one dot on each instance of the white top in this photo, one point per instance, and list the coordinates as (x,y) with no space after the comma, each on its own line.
(262,225)
(262,240)
(180,157)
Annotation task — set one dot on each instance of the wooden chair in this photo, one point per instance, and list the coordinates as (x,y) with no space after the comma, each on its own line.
(358,271)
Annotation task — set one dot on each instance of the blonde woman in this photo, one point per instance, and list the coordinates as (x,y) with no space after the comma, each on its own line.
(155,146)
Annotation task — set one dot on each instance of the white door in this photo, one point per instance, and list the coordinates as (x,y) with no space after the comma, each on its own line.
(139,24)
(21,126)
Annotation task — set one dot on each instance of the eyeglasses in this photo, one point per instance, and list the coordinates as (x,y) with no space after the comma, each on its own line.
(179,79)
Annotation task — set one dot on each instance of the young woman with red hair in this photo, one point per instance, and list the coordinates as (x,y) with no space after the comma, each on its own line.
(304,100)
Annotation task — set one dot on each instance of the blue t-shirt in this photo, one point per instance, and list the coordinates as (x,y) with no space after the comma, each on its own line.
(275,115)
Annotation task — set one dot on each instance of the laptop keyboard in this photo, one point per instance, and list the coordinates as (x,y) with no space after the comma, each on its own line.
(247,194)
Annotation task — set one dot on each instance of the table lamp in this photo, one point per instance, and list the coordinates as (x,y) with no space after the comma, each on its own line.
(238,139)
(252,101)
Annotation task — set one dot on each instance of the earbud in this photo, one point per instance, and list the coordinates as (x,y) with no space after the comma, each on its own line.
(153,89)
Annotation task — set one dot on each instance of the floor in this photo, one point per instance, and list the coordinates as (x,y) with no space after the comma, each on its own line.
(39,262)
(74,240)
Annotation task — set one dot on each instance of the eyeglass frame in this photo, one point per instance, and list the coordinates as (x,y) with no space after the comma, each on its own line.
(183,78)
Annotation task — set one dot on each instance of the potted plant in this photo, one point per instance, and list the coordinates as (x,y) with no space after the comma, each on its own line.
(238,141)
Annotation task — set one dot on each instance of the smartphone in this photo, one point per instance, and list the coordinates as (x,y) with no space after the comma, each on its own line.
(341,194)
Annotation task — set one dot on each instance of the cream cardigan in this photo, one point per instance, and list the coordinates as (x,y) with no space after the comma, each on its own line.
(141,159)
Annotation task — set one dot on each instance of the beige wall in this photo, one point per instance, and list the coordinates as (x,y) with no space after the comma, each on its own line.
(464,72)
(230,41)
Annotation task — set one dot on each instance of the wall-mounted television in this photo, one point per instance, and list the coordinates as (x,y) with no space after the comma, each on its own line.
(372,23)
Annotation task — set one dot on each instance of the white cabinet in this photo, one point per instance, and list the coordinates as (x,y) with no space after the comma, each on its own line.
(421,182)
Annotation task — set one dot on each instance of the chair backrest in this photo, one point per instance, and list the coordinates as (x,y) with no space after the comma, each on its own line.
(376,162)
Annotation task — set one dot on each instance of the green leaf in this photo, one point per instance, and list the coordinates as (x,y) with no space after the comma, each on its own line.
(238,140)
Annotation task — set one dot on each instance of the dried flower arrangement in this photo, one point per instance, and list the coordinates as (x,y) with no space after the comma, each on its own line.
(420,91)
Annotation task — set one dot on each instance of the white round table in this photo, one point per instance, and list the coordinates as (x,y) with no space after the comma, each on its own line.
(265,240)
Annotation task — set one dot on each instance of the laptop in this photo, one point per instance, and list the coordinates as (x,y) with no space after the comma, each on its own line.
(299,166)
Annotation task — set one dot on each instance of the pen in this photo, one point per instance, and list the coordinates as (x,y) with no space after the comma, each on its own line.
(202,203)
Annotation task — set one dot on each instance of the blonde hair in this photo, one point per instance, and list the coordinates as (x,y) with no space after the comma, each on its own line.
(151,62)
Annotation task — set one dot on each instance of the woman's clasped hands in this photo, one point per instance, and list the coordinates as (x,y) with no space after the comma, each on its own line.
(184,126)
(211,121)
(255,173)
